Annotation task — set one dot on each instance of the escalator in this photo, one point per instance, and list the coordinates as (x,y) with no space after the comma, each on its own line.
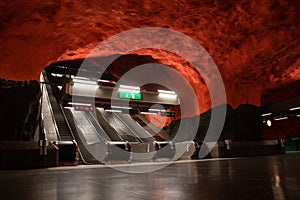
(133,127)
(114,127)
(61,123)
(94,141)
(158,133)
(65,133)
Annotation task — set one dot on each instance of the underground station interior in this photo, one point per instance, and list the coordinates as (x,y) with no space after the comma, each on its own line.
(150,100)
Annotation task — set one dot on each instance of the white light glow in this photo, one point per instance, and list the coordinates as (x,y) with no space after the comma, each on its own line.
(166,92)
(130,89)
(103,81)
(281,118)
(297,115)
(85,82)
(269,123)
(266,114)
(156,110)
(148,113)
(117,111)
(57,75)
(167,96)
(121,107)
(295,108)
(79,104)
(80,78)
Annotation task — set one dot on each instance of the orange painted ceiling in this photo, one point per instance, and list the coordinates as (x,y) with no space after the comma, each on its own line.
(255,44)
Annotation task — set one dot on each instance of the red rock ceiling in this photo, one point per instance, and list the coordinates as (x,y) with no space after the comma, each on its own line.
(255,44)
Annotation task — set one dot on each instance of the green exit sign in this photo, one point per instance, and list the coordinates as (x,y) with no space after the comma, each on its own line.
(130,95)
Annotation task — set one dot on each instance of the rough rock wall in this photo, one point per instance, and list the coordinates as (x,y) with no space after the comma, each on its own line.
(255,44)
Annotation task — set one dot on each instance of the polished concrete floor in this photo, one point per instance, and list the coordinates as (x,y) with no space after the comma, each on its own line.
(271,177)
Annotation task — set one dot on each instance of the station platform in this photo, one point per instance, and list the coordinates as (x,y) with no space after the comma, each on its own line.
(265,177)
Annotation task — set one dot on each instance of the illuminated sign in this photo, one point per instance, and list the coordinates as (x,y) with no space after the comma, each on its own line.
(84,108)
(130,95)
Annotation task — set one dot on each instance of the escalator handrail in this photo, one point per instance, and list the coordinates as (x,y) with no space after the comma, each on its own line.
(72,134)
(50,107)
(133,132)
(102,115)
(95,120)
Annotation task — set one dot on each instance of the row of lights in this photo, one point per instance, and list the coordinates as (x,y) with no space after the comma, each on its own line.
(123,88)
(269,122)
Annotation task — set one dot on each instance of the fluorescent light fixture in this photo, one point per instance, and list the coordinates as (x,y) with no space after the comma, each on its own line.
(295,108)
(281,118)
(121,107)
(103,81)
(57,75)
(167,96)
(156,110)
(297,115)
(86,82)
(68,76)
(166,92)
(266,114)
(131,89)
(117,111)
(148,113)
(80,78)
(79,104)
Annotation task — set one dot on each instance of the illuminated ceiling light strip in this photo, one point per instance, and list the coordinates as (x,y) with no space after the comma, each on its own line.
(281,118)
(110,110)
(79,104)
(68,76)
(295,108)
(121,107)
(130,87)
(166,92)
(148,113)
(129,90)
(156,110)
(103,81)
(297,115)
(57,75)
(169,96)
(266,114)
(80,78)
(84,82)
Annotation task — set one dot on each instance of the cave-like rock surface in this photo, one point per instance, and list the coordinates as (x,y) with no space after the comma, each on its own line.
(255,44)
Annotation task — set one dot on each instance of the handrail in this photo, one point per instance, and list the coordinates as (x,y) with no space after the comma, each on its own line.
(50,107)
(95,120)
(72,134)
(133,132)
